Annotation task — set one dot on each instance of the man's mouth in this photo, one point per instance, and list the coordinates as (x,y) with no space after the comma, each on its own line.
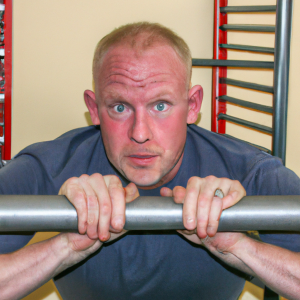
(142,156)
(142,159)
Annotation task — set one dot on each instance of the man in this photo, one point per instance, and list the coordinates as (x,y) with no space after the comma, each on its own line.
(143,101)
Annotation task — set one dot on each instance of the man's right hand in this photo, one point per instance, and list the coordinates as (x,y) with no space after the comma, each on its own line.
(100,204)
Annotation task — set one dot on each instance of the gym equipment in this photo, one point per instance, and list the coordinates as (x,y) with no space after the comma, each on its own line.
(21,213)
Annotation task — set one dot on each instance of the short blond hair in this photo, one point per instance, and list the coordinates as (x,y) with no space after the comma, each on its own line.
(154,33)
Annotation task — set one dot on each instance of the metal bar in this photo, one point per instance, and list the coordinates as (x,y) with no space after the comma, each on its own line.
(248,85)
(248,48)
(248,104)
(55,213)
(254,145)
(281,76)
(248,124)
(233,63)
(242,27)
(252,8)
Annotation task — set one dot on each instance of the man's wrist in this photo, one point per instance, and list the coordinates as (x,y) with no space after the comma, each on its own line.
(245,248)
(62,252)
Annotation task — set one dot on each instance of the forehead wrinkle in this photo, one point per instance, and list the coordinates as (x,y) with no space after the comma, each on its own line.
(137,69)
(134,82)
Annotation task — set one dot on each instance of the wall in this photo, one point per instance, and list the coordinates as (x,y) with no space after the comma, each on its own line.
(53,48)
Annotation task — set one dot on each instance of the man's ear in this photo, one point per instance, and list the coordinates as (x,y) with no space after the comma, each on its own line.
(90,101)
(195,101)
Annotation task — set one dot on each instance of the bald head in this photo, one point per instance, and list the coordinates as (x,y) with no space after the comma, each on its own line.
(140,37)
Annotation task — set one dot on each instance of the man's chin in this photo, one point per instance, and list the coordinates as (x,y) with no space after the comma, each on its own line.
(145,182)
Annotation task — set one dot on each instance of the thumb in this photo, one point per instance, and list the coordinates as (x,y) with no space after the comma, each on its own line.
(131,192)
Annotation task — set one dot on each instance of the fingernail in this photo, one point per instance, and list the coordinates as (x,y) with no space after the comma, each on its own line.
(104,237)
(118,222)
(189,219)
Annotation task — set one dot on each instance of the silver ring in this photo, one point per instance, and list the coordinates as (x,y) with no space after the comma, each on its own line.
(219,193)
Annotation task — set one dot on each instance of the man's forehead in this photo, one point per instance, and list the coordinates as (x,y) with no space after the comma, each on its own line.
(157,61)
(155,90)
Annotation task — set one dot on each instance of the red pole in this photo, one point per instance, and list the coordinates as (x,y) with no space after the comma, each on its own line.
(218,89)
(8,78)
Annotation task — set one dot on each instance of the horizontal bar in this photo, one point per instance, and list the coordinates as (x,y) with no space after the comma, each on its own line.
(247,104)
(233,63)
(55,213)
(255,28)
(252,8)
(254,145)
(248,85)
(248,48)
(248,124)
(2,124)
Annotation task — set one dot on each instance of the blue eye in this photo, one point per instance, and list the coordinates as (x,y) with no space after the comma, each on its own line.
(160,106)
(119,108)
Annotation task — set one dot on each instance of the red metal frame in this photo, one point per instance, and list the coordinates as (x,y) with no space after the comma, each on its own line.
(6,149)
(219,89)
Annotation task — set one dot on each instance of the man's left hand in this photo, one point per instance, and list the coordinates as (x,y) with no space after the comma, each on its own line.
(202,209)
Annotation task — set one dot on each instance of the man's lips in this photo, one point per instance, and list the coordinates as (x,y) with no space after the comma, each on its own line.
(142,156)
(142,159)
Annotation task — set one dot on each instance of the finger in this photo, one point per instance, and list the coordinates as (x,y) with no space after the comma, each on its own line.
(92,207)
(190,235)
(179,193)
(206,196)
(187,232)
(166,192)
(104,202)
(117,195)
(76,195)
(214,216)
(235,193)
(131,192)
(189,211)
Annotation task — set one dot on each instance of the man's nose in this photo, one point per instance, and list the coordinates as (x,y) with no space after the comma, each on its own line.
(141,128)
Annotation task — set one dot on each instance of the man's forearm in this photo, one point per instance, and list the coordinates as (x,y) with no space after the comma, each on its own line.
(23,271)
(278,268)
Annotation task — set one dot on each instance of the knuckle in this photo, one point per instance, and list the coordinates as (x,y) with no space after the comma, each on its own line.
(115,189)
(105,208)
(97,177)
(204,199)
(210,178)
(92,202)
(79,205)
(112,179)
(84,177)
(73,181)
(194,180)
(91,219)
(193,191)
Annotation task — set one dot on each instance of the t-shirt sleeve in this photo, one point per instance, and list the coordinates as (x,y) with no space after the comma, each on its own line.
(272,178)
(17,178)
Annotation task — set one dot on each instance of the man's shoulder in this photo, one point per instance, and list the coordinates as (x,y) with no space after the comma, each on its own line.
(218,152)
(72,151)
(71,139)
